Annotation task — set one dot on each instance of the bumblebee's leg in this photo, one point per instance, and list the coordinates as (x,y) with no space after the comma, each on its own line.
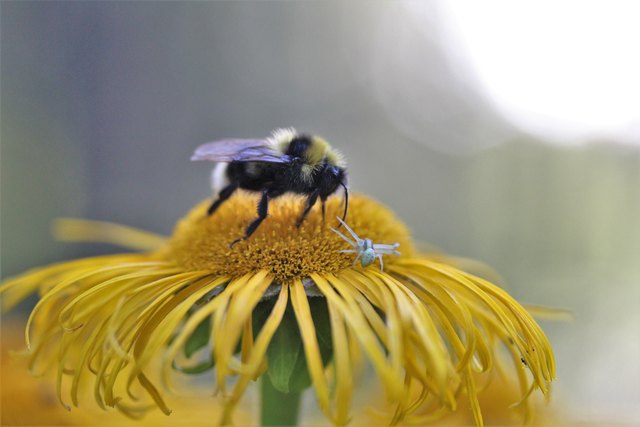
(263,211)
(224,194)
(324,201)
(311,200)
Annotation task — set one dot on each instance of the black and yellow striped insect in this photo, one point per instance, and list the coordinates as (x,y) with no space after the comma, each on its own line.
(285,162)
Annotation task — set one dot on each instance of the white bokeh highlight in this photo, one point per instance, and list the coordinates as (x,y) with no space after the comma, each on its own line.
(568,71)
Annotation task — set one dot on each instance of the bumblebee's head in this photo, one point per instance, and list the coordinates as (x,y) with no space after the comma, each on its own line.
(331,177)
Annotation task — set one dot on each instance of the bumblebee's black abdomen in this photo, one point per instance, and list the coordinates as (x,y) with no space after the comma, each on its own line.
(254,176)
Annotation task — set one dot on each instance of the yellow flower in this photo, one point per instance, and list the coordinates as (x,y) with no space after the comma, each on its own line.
(122,324)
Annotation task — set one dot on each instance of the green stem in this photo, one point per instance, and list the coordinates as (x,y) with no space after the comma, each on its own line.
(278,408)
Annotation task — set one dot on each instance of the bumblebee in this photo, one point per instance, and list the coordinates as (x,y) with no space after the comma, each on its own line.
(285,162)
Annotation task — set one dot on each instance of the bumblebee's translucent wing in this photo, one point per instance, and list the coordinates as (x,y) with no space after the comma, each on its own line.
(244,150)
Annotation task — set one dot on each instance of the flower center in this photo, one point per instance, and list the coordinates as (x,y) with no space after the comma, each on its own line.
(201,242)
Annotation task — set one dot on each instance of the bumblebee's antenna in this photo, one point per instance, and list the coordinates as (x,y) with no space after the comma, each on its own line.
(346,202)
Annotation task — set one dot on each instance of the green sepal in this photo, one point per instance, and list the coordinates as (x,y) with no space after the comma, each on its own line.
(201,335)
(287,364)
(199,338)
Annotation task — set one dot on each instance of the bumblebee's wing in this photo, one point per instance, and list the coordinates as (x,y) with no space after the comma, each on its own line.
(243,150)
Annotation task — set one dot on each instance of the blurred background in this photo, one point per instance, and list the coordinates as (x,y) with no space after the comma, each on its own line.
(508,133)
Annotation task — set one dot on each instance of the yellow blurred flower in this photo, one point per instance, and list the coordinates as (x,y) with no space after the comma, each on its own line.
(31,401)
(122,324)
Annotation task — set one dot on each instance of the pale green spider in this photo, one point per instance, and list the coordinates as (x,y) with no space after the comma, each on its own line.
(367,250)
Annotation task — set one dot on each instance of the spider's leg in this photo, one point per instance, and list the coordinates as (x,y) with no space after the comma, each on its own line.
(353,233)
(379,256)
(349,251)
(352,243)
(385,246)
(386,249)
(355,261)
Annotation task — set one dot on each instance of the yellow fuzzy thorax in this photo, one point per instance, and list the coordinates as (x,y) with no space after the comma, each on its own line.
(200,242)
(317,151)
